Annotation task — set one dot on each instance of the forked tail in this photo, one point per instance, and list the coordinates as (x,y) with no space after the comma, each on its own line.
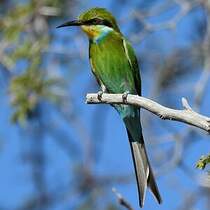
(143,171)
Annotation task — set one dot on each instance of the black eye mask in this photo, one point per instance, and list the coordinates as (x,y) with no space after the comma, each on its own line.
(97,21)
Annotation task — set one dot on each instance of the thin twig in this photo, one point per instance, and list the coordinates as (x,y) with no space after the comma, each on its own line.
(121,200)
(187,115)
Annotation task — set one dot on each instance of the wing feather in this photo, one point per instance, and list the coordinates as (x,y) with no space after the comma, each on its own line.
(133,64)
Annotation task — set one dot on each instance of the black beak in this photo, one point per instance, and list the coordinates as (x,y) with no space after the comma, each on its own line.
(71,23)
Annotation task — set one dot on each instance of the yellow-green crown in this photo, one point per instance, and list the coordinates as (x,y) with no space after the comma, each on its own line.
(101,14)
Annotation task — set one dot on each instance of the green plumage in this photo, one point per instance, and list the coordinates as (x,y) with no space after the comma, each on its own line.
(114,64)
(110,65)
(112,68)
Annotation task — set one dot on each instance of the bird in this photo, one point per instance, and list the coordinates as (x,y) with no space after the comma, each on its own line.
(114,64)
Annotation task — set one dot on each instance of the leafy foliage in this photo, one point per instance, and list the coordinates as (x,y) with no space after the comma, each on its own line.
(26,43)
(28,90)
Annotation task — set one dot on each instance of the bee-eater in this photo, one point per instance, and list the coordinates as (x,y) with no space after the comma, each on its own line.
(115,66)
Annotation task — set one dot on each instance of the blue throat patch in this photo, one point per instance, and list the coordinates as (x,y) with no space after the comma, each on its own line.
(104,31)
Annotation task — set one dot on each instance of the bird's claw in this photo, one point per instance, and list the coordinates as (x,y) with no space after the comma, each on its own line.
(162,116)
(124,96)
(99,95)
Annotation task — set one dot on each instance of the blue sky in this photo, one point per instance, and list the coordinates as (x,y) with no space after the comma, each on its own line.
(114,151)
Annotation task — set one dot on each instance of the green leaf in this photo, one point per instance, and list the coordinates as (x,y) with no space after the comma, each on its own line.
(203,161)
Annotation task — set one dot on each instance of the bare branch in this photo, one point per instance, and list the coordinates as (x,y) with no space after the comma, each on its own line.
(49,11)
(184,8)
(187,115)
(122,201)
(185,104)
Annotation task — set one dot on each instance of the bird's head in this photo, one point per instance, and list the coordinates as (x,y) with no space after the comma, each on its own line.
(94,22)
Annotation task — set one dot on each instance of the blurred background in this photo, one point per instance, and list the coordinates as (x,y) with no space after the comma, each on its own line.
(56,152)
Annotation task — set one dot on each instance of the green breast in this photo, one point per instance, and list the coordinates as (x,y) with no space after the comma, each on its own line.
(110,64)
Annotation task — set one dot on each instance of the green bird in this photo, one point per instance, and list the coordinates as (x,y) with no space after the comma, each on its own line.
(114,64)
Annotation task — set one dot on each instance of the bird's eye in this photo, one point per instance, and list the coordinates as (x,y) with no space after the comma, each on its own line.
(97,21)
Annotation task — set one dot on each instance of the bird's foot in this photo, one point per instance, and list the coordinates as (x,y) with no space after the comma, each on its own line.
(124,96)
(162,116)
(99,95)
